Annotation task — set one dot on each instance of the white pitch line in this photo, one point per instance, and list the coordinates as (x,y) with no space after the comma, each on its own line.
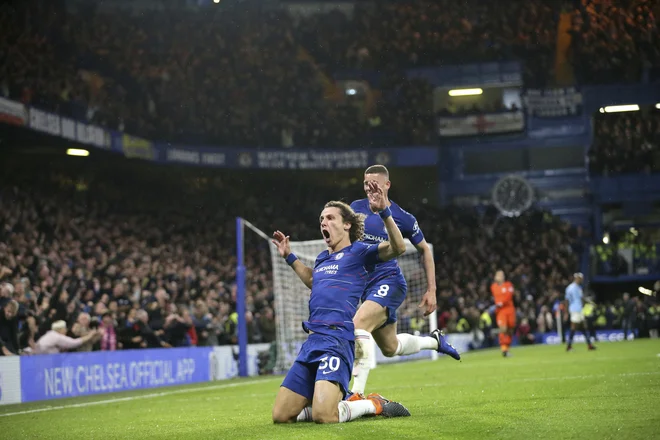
(528,379)
(587,376)
(129,398)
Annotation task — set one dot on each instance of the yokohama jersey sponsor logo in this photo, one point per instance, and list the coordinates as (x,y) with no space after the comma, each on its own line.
(374,238)
(333,268)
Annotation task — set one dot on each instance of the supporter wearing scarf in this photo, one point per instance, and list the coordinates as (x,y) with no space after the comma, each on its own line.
(109,339)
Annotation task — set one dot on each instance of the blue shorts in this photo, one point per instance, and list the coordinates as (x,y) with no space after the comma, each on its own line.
(389,293)
(321,357)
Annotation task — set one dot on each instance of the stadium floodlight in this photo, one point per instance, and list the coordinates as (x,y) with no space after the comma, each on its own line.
(645,291)
(657,106)
(619,108)
(77,152)
(291,299)
(465,92)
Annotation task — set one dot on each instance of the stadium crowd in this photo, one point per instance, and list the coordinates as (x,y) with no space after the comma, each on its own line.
(145,254)
(213,76)
(626,143)
(538,252)
(615,41)
(431,33)
(149,275)
(640,243)
(238,76)
(148,260)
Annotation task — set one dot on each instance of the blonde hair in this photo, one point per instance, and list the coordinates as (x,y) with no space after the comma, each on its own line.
(13,304)
(58,325)
(356,233)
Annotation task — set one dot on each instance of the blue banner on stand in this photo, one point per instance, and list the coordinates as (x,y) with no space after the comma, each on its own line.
(554,338)
(80,374)
(297,159)
(221,157)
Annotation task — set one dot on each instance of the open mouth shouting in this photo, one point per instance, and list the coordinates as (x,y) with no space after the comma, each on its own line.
(326,235)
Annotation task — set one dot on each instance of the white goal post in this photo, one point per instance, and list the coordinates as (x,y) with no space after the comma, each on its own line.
(291,301)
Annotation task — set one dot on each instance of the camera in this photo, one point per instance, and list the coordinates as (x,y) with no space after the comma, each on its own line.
(94,323)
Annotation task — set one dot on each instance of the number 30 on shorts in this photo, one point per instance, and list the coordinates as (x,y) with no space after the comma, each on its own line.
(382,291)
(332,363)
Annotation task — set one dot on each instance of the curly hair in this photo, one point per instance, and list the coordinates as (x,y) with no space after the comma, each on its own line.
(356,233)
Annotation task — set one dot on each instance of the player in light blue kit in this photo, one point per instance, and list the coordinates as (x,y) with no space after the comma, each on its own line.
(322,371)
(386,289)
(575,304)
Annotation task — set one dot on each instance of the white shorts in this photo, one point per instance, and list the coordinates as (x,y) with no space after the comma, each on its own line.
(577,317)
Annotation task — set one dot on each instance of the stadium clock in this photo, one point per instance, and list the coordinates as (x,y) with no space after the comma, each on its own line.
(512,195)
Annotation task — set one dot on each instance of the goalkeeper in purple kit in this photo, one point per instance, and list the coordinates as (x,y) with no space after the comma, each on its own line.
(386,288)
(317,382)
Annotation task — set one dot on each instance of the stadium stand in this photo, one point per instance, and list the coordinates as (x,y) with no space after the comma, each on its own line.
(614,41)
(434,33)
(240,79)
(132,72)
(67,250)
(79,246)
(642,244)
(626,143)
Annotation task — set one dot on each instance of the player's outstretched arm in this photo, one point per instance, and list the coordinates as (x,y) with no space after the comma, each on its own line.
(391,249)
(283,247)
(395,246)
(429,301)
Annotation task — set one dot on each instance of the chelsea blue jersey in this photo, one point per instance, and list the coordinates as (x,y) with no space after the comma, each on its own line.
(338,281)
(375,232)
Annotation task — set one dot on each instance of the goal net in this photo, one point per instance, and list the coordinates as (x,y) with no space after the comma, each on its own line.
(292,302)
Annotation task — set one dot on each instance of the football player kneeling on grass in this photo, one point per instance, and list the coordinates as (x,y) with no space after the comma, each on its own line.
(315,387)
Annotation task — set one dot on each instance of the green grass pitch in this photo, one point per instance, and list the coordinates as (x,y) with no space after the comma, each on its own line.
(541,392)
